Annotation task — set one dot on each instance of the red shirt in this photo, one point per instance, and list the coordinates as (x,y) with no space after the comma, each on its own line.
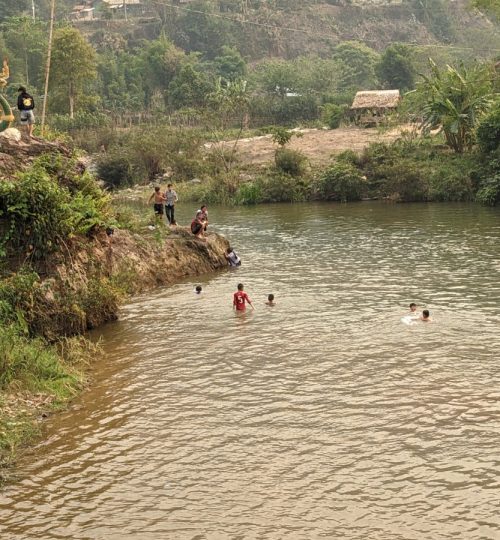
(239,300)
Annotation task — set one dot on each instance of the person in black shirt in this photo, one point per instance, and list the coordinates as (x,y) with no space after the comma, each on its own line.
(26,104)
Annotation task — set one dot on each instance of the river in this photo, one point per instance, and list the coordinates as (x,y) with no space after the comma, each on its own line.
(322,417)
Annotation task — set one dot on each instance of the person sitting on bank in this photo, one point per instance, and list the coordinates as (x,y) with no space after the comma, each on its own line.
(200,222)
(159,199)
(26,104)
(426,316)
(170,200)
(202,216)
(232,257)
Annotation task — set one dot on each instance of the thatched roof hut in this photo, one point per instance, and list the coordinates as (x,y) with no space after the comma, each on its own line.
(376,100)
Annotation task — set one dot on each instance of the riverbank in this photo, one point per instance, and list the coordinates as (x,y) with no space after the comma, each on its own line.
(68,263)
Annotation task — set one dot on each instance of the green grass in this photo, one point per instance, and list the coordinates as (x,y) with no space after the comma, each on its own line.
(35,377)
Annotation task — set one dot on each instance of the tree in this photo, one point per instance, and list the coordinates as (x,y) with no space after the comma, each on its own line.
(230,64)
(357,65)
(162,62)
(27,41)
(13,8)
(395,69)
(73,66)
(454,101)
(190,87)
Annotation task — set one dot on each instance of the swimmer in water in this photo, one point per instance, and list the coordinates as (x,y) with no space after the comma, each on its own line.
(426,316)
(270,300)
(198,290)
(240,298)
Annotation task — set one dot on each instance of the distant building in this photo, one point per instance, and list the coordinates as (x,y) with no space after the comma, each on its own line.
(132,6)
(82,12)
(371,106)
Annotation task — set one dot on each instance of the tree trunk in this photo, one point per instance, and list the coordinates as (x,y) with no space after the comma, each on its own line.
(71,102)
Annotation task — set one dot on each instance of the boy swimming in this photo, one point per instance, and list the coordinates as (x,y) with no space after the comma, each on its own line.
(426,316)
(270,300)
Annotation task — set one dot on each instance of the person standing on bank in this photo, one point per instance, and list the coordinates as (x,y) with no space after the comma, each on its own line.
(26,104)
(170,200)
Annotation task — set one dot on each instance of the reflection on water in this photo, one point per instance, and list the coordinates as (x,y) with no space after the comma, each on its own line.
(323,417)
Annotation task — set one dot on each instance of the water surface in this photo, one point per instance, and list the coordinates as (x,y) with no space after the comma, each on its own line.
(323,417)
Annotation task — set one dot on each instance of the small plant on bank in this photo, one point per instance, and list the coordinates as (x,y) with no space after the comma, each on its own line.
(333,115)
(290,161)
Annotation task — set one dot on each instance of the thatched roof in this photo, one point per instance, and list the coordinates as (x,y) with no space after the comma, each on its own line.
(376,99)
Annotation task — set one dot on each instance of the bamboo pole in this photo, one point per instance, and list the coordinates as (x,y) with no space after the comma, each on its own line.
(47,68)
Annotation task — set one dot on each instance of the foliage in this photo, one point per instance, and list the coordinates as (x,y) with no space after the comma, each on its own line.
(357,63)
(230,65)
(454,100)
(73,66)
(488,131)
(489,178)
(281,136)
(290,161)
(116,170)
(81,120)
(395,68)
(39,213)
(333,115)
(341,182)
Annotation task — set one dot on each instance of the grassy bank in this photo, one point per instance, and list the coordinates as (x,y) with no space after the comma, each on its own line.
(411,169)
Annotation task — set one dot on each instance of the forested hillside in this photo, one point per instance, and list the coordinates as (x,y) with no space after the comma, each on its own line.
(168,55)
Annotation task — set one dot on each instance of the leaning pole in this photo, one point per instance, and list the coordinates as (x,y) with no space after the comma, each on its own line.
(47,68)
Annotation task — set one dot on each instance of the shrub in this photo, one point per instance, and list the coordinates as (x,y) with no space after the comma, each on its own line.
(404,180)
(277,186)
(248,193)
(488,131)
(116,170)
(341,182)
(290,161)
(46,206)
(333,115)
(81,120)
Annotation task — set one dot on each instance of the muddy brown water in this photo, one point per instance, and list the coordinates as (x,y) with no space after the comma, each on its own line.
(323,417)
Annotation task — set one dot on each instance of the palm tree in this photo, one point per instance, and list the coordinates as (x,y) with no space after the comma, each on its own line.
(454,100)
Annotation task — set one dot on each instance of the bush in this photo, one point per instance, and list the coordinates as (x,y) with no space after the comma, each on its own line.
(277,186)
(290,161)
(46,206)
(333,115)
(116,170)
(81,120)
(489,193)
(488,131)
(249,193)
(341,182)
(405,181)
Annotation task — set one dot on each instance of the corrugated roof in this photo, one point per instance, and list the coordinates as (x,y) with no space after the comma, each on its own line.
(376,99)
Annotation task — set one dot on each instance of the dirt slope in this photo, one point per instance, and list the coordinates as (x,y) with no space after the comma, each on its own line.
(317,144)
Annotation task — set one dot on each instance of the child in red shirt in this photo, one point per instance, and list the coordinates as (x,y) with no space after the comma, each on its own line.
(240,298)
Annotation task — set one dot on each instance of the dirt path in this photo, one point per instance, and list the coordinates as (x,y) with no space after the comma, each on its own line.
(317,144)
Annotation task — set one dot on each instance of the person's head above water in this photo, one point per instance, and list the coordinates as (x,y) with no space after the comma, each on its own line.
(425,314)
(240,286)
(271,297)
(198,289)
(413,306)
